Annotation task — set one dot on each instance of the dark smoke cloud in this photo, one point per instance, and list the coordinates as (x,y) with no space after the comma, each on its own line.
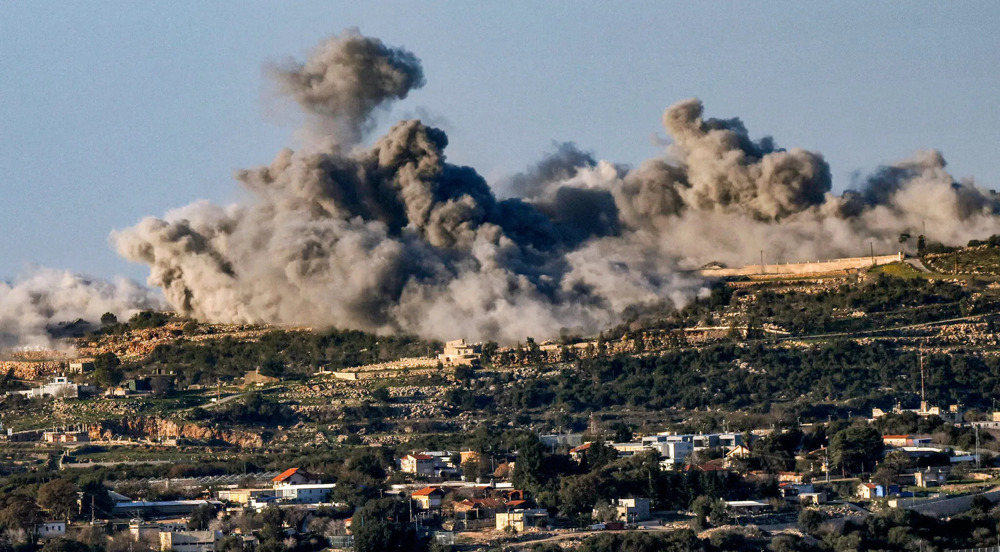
(346,78)
(391,237)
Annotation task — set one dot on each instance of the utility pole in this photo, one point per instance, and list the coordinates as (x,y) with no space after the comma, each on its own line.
(923,397)
(826,463)
(762,269)
(977,445)
(871,247)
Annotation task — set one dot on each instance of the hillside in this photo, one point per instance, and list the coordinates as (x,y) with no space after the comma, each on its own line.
(765,348)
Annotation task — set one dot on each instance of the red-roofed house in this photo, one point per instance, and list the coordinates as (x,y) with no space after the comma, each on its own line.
(868,491)
(428,498)
(716,465)
(418,464)
(477,509)
(577,452)
(295,476)
(516,504)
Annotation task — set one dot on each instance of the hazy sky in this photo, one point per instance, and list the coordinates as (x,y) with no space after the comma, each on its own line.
(111,111)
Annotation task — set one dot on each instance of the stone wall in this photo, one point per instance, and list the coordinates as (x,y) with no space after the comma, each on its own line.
(816,267)
(946,507)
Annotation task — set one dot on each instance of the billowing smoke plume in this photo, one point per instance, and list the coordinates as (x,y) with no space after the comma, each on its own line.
(33,307)
(391,237)
(347,78)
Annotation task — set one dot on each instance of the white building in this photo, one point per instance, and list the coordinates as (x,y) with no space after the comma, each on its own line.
(60,387)
(294,476)
(418,464)
(189,541)
(315,493)
(51,529)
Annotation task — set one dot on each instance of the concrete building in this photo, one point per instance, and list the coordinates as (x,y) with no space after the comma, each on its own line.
(243,496)
(189,541)
(520,520)
(60,387)
(65,437)
(316,493)
(294,476)
(628,449)
(149,531)
(256,378)
(80,367)
(674,452)
(428,498)
(418,464)
(631,510)
(161,509)
(931,477)
(562,440)
(905,441)
(51,529)
(817,497)
(458,352)
(953,414)
(746,506)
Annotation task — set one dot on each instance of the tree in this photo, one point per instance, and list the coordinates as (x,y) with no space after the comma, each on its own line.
(810,520)
(623,433)
(384,526)
(489,349)
(21,513)
(273,367)
(605,511)
(366,462)
(59,497)
(381,394)
(473,468)
(271,521)
(578,494)
(529,468)
(106,369)
(126,542)
(201,517)
(161,386)
(65,545)
(108,319)
(463,373)
(599,455)
(856,448)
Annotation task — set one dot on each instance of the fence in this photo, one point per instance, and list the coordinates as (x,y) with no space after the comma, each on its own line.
(344,542)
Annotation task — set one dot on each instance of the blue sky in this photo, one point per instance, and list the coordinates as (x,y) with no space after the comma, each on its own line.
(111,111)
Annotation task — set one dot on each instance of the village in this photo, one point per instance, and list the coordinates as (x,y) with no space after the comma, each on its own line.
(455,509)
